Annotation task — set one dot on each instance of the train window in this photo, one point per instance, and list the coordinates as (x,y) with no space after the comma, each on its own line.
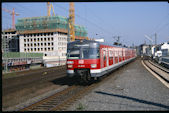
(74,54)
(104,58)
(90,53)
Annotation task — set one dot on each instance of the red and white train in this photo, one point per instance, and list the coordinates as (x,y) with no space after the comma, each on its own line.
(88,59)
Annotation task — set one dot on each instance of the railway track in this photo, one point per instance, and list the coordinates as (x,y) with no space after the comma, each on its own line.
(159,72)
(34,71)
(19,83)
(158,66)
(61,100)
(49,103)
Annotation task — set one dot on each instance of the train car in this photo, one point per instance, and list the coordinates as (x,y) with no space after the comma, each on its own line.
(88,59)
(164,61)
(161,55)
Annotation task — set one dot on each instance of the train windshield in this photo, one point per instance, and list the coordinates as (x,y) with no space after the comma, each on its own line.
(74,54)
(90,53)
(83,53)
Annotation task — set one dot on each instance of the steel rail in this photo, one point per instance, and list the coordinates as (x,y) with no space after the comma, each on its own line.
(158,66)
(48,102)
(156,71)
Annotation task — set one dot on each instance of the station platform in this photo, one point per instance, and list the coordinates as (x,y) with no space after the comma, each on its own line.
(131,88)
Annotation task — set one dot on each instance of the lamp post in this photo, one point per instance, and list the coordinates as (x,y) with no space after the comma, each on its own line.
(155,38)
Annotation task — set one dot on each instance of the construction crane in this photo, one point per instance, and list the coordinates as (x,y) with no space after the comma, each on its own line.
(71,21)
(49,6)
(13,15)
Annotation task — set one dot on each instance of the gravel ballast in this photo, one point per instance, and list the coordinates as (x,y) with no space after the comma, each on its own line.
(33,99)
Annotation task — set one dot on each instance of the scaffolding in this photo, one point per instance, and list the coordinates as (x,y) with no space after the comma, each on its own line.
(9,41)
(46,24)
(4,43)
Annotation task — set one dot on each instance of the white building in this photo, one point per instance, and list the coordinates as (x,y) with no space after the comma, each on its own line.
(165,45)
(47,35)
(53,45)
(144,49)
(99,40)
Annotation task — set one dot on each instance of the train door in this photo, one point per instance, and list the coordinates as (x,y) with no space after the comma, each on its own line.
(107,57)
(110,56)
(122,54)
(113,56)
(118,55)
(102,58)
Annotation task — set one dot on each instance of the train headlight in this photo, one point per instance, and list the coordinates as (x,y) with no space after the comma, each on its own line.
(70,66)
(93,65)
(70,62)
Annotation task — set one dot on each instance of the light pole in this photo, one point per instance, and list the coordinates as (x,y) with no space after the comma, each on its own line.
(155,38)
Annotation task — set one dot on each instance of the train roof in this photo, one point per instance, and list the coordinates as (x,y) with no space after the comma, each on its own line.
(93,41)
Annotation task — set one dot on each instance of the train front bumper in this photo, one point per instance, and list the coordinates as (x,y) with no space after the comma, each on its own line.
(93,73)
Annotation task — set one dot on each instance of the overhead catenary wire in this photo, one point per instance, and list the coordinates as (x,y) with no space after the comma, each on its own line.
(19,7)
(6,26)
(7,17)
(86,20)
(22,9)
(99,18)
(156,29)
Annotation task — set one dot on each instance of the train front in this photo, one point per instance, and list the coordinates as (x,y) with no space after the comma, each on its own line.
(82,57)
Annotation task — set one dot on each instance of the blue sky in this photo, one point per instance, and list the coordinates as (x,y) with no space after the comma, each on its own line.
(129,20)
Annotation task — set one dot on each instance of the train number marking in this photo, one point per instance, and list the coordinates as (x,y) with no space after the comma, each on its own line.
(81,61)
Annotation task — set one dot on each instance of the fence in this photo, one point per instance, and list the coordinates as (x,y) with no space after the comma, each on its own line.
(19,58)
(21,55)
